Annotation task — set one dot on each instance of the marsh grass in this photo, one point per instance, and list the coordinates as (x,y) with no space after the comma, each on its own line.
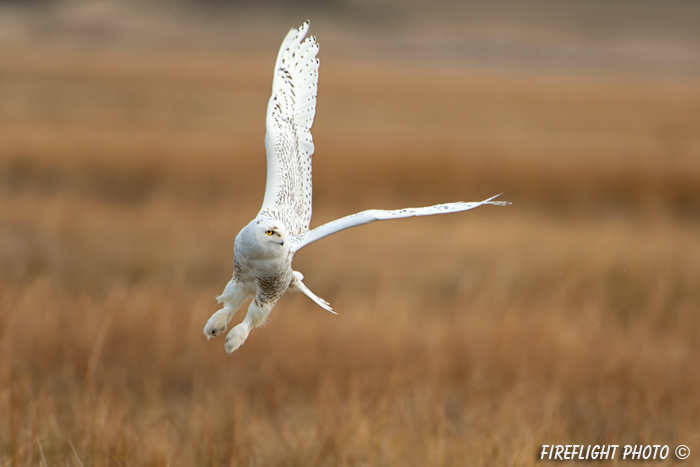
(570,317)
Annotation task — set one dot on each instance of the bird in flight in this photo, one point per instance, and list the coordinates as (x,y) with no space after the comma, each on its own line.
(264,249)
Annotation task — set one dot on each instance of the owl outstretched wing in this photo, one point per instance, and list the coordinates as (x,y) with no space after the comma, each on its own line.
(288,141)
(365,217)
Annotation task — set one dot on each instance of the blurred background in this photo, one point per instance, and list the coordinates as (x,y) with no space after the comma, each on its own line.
(131,153)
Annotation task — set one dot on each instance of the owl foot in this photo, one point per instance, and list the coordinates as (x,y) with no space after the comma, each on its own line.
(236,337)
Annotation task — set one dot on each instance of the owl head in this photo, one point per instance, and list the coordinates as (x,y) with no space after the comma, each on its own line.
(270,232)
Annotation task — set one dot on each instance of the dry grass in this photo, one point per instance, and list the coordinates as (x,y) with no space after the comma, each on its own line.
(569,317)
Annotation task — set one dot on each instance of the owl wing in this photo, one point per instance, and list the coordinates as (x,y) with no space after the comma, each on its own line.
(288,141)
(365,217)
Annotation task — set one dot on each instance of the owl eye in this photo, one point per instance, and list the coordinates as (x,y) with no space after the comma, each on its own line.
(269,232)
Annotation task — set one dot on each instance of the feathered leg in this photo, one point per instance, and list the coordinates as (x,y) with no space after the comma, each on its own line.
(234,295)
(257,314)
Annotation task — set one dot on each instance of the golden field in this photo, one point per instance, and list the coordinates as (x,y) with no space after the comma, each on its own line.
(569,317)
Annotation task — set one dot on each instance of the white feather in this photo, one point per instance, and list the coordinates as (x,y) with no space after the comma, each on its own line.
(288,141)
(366,217)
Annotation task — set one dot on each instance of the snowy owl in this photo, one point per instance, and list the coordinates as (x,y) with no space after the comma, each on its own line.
(264,249)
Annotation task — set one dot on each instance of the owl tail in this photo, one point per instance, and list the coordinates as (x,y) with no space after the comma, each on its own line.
(298,286)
